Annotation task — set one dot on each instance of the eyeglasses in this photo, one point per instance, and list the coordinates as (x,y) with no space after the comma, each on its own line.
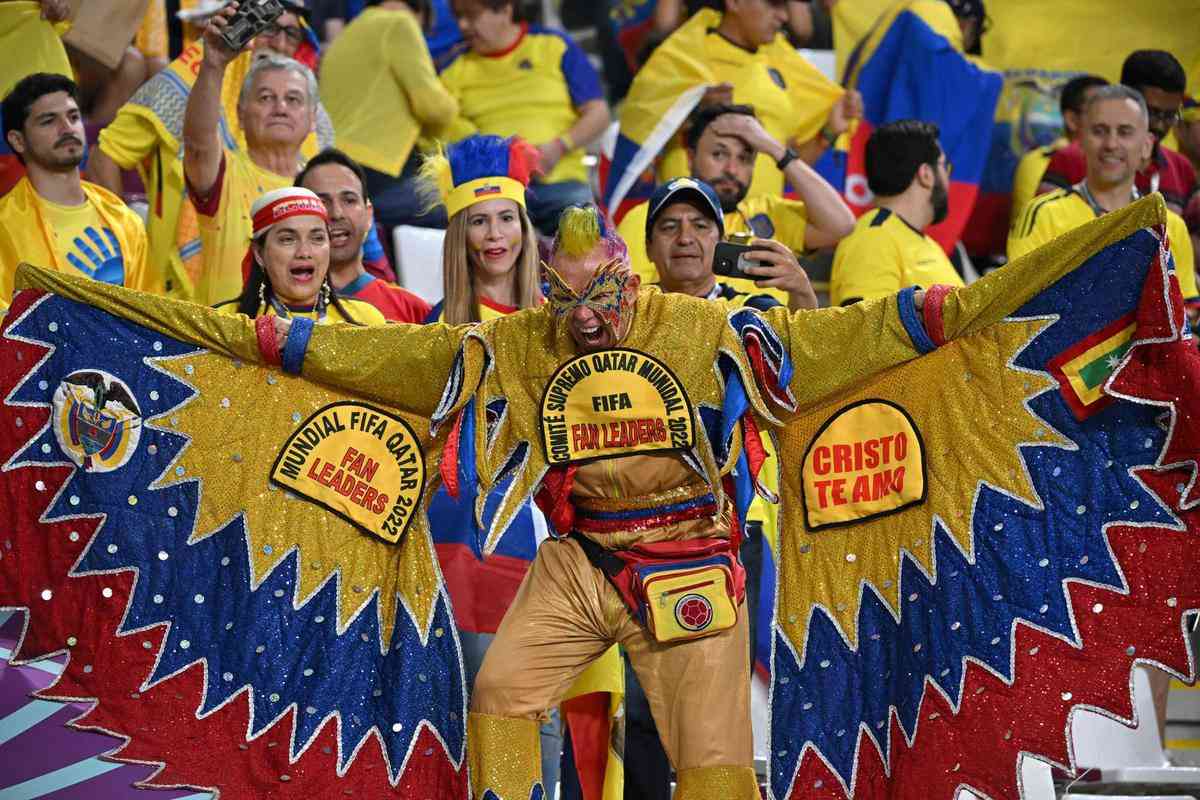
(1163,115)
(294,34)
(945,164)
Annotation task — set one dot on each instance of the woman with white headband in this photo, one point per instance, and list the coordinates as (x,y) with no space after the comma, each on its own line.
(287,264)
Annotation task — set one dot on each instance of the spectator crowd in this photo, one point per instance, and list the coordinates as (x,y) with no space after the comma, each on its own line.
(291,178)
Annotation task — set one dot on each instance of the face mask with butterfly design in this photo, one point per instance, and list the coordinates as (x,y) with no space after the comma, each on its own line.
(605,294)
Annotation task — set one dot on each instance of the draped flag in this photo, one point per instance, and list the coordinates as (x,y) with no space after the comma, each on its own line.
(906,68)
(210,543)
(992,535)
(974,542)
(668,87)
(482,586)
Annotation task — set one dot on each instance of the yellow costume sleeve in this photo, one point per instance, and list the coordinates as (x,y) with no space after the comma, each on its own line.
(401,365)
(832,348)
(232,336)
(405,366)
(970,310)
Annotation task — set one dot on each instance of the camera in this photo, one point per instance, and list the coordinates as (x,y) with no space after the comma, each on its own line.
(729,257)
(251,18)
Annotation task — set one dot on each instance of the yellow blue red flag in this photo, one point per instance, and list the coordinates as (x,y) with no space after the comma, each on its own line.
(236,561)
(995,533)
(907,67)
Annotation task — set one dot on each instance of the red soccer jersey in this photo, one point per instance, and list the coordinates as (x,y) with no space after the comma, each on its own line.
(1169,173)
(397,303)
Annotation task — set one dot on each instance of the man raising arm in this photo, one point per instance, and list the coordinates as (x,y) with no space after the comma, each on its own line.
(277,110)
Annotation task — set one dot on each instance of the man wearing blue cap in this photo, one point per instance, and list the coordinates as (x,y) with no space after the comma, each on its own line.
(723,142)
(684,223)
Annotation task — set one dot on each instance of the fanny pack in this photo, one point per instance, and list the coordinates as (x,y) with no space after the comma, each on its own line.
(678,590)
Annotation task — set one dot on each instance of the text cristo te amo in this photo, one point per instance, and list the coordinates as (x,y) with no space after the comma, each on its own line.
(844,464)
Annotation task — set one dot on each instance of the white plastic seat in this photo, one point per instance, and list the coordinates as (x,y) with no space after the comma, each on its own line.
(419,260)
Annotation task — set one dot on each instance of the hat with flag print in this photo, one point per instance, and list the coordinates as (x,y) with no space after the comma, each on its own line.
(480,168)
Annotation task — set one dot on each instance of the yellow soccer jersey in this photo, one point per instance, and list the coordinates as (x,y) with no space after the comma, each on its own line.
(884,254)
(363,313)
(766,216)
(81,239)
(1028,176)
(380,88)
(545,70)
(225,226)
(1053,214)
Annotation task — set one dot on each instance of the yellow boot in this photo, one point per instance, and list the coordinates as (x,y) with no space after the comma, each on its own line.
(717,783)
(504,755)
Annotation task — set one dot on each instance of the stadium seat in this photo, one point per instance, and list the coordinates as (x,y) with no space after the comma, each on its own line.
(419,260)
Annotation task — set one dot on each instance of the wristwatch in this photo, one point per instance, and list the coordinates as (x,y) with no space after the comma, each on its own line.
(789,155)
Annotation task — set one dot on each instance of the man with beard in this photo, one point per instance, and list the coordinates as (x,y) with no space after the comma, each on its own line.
(889,250)
(52,217)
(723,142)
(1115,140)
(340,182)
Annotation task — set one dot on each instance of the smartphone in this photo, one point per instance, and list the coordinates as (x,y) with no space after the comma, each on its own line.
(251,18)
(729,257)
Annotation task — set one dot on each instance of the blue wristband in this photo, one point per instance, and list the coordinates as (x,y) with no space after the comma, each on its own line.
(908,315)
(296,345)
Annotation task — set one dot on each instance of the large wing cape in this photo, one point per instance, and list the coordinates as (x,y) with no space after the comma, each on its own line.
(975,541)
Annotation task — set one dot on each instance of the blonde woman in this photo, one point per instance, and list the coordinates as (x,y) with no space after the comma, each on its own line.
(490,264)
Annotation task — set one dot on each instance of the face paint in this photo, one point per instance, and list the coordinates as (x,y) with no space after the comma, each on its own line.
(604,294)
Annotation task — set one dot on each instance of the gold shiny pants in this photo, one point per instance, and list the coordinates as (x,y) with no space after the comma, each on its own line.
(566,615)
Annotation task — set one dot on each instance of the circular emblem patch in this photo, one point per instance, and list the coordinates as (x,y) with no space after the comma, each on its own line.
(693,612)
(97,422)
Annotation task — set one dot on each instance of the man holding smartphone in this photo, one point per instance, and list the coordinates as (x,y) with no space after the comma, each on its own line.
(685,224)
(723,143)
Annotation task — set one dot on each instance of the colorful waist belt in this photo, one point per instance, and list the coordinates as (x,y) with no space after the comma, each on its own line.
(595,515)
